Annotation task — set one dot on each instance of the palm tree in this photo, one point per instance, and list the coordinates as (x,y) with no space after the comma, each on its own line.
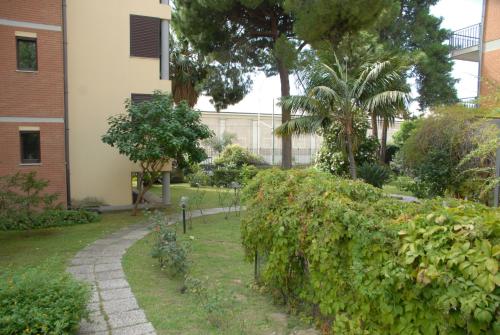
(333,95)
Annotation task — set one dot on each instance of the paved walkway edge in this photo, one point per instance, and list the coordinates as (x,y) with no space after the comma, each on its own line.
(113,307)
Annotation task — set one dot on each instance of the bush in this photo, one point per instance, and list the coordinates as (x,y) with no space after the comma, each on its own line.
(332,156)
(24,204)
(171,254)
(37,301)
(199,178)
(224,176)
(236,157)
(247,173)
(48,218)
(374,174)
(363,263)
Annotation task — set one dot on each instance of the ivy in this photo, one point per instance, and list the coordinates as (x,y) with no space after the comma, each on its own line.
(362,263)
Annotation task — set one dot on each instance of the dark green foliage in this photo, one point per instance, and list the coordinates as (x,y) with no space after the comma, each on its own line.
(36,301)
(24,204)
(362,263)
(434,150)
(154,133)
(237,156)
(332,156)
(330,20)
(409,29)
(171,253)
(374,174)
(225,175)
(405,131)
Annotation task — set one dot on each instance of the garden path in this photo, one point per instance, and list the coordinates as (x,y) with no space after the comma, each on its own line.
(113,307)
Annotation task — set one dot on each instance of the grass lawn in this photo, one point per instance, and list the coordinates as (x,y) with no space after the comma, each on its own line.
(216,258)
(210,195)
(56,246)
(391,188)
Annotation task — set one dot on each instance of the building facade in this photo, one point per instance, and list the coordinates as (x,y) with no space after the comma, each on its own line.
(116,49)
(490,62)
(66,66)
(481,43)
(32,109)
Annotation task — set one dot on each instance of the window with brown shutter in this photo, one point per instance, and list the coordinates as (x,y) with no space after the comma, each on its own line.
(137,98)
(144,36)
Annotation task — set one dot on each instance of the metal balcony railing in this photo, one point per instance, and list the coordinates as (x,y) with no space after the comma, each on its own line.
(466,37)
(469,102)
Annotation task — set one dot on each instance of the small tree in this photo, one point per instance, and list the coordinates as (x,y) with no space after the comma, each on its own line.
(155,132)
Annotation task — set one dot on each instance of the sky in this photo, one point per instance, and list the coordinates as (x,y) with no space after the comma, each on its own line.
(456,14)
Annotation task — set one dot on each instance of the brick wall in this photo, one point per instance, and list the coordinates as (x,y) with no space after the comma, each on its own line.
(490,71)
(492,21)
(35,94)
(52,165)
(38,11)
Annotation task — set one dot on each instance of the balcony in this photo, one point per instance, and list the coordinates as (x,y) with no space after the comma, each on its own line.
(465,43)
(469,102)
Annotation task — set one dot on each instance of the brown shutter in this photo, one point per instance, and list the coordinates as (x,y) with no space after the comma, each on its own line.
(137,98)
(144,36)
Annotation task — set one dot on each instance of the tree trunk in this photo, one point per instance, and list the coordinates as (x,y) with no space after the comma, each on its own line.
(286,141)
(383,141)
(350,152)
(374,125)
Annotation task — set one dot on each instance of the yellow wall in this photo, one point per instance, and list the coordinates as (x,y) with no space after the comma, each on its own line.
(101,75)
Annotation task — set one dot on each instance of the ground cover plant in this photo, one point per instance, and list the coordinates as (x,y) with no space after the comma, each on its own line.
(218,296)
(429,268)
(38,301)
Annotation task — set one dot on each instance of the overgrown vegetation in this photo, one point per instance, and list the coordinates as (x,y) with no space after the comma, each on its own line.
(26,204)
(361,263)
(38,301)
(451,152)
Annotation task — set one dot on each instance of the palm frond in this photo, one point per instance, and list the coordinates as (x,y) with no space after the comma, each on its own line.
(308,124)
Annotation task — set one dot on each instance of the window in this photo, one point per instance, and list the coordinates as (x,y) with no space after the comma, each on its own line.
(144,36)
(30,147)
(26,54)
(138,98)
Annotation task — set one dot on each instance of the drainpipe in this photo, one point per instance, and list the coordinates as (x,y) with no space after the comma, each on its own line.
(66,125)
(481,50)
(165,49)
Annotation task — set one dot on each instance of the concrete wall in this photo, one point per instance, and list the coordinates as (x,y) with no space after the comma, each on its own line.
(102,75)
(255,133)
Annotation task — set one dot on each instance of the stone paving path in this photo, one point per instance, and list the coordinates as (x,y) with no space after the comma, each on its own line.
(114,309)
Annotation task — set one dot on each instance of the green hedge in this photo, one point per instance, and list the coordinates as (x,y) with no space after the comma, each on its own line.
(46,218)
(37,301)
(362,263)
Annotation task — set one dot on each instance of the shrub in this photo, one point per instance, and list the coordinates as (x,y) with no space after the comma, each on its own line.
(363,263)
(434,152)
(247,173)
(199,178)
(224,176)
(237,156)
(332,156)
(24,204)
(37,301)
(48,218)
(374,174)
(171,254)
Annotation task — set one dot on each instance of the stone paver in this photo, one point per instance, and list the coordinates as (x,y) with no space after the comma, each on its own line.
(113,307)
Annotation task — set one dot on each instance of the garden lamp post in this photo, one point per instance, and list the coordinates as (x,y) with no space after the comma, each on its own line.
(184,201)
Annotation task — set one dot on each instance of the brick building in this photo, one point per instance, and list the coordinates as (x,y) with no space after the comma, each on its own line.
(481,43)
(65,67)
(32,121)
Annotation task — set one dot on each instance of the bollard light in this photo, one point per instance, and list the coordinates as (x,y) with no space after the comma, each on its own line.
(184,202)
